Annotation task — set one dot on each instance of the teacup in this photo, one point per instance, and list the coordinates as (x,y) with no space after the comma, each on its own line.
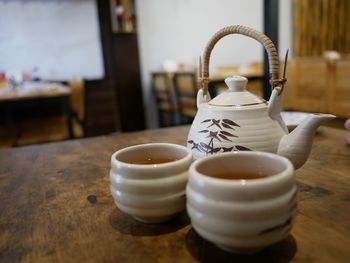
(148,181)
(242,201)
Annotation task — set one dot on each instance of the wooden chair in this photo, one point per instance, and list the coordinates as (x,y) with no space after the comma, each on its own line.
(308,84)
(165,99)
(54,128)
(339,97)
(77,101)
(42,130)
(185,86)
(9,134)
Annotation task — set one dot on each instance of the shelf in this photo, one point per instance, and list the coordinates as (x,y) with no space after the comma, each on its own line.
(123,17)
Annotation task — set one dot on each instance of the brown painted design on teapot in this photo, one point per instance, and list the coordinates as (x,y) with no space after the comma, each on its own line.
(218,130)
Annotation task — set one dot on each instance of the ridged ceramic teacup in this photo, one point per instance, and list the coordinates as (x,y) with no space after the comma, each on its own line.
(242,201)
(148,181)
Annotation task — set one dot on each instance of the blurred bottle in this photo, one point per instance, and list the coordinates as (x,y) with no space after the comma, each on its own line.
(35,76)
(26,76)
(128,23)
(14,79)
(3,81)
(119,12)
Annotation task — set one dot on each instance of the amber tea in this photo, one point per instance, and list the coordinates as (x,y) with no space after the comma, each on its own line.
(237,175)
(153,161)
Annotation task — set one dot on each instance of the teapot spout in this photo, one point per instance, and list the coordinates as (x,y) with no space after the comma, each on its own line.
(296,146)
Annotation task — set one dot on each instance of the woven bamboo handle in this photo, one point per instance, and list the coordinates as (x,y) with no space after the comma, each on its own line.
(203,77)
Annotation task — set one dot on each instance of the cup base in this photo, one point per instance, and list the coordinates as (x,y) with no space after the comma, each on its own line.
(241,250)
(153,220)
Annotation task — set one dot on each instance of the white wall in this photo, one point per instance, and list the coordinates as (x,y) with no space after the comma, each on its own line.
(285,28)
(61,38)
(180,29)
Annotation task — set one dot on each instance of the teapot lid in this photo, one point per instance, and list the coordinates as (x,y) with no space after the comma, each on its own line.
(236,95)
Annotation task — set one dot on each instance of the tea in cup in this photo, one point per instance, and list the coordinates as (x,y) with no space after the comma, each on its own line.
(148,181)
(242,201)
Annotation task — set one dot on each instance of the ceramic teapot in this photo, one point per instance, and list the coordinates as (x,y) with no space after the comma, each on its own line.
(237,120)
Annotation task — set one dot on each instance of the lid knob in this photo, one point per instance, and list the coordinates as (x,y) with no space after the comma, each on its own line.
(236,83)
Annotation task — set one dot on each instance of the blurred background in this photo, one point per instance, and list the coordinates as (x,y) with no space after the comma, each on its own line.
(80,68)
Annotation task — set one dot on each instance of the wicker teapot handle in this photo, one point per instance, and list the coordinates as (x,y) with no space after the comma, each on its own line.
(203,77)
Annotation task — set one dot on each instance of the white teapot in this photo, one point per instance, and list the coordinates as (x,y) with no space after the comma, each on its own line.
(237,120)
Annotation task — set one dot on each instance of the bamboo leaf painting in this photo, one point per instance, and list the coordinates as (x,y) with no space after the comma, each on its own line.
(227,126)
(208,120)
(227,121)
(242,148)
(213,135)
(204,146)
(216,123)
(218,131)
(228,134)
(227,149)
(215,150)
(224,137)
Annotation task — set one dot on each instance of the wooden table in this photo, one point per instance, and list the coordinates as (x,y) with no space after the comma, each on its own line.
(56,207)
(35,93)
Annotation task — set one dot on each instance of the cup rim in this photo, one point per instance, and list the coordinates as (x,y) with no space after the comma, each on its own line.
(186,158)
(289,169)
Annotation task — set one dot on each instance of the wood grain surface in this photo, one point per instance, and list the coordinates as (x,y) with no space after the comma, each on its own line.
(55,206)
